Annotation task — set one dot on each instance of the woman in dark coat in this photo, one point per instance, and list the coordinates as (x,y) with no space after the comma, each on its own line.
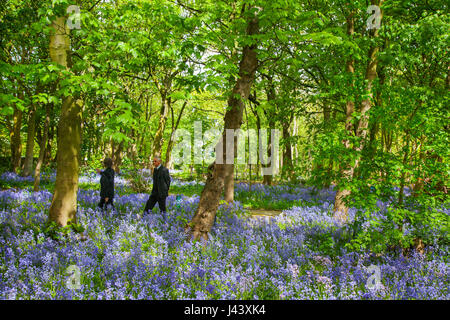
(106,184)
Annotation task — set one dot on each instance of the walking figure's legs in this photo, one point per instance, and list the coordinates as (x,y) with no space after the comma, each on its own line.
(162,207)
(150,204)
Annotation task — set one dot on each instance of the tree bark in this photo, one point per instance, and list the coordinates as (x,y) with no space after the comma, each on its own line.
(28,164)
(287,152)
(42,147)
(340,207)
(16,142)
(48,151)
(403,174)
(270,115)
(158,140)
(268,178)
(419,183)
(168,164)
(327,164)
(143,141)
(258,128)
(229,183)
(132,148)
(366,104)
(64,203)
(116,155)
(203,219)
(375,125)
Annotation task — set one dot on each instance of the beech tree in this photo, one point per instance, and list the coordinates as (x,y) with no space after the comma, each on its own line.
(63,207)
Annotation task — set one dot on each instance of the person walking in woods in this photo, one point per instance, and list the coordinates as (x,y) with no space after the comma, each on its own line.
(161,185)
(106,184)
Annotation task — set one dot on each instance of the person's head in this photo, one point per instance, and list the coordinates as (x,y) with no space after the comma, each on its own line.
(156,161)
(107,162)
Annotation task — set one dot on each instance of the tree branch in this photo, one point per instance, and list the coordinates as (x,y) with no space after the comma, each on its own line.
(94,5)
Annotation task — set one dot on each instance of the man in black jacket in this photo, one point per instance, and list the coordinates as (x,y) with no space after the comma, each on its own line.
(161,185)
(106,184)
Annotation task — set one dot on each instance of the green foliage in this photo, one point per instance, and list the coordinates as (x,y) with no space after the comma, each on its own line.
(400,228)
(139,183)
(56,232)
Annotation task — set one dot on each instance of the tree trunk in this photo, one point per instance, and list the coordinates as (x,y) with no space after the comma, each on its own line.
(168,164)
(403,174)
(48,149)
(287,152)
(203,219)
(340,207)
(143,140)
(229,183)
(419,183)
(326,116)
(158,141)
(116,155)
(375,126)
(42,147)
(250,160)
(16,143)
(28,165)
(132,149)
(271,96)
(366,104)
(64,203)
(258,128)
(267,178)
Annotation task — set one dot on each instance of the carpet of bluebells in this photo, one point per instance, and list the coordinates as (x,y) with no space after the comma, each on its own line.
(130,256)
